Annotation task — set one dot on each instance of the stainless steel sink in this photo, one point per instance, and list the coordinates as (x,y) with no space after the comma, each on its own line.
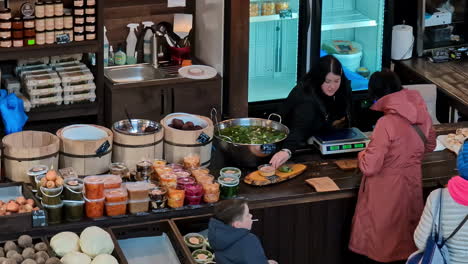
(137,73)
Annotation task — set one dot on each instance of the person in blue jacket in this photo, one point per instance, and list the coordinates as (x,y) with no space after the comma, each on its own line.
(230,237)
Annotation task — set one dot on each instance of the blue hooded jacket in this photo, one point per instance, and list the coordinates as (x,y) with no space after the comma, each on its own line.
(234,245)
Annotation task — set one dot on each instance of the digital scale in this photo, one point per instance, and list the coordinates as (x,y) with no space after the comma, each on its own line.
(340,141)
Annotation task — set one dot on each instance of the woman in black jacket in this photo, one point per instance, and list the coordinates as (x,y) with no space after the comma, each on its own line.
(319,103)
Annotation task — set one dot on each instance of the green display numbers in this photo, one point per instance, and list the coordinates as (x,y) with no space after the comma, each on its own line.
(347,146)
(361,145)
(334,148)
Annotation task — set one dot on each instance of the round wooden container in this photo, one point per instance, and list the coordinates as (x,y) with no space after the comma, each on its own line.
(23,150)
(182,143)
(86,156)
(132,145)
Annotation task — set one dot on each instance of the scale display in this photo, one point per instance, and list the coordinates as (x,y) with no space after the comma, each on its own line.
(346,147)
(340,141)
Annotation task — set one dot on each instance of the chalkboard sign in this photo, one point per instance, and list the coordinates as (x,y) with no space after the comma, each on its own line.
(38,218)
(203,138)
(268,148)
(103,148)
(62,39)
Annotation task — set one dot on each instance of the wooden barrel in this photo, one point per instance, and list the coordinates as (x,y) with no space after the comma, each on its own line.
(23,150)
(132,144)
(85,148)
(182,143)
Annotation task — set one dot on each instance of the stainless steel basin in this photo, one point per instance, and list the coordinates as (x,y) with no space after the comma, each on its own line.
(137,73)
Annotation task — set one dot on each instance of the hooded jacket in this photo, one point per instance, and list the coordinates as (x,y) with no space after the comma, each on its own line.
(390,199)
(234,245)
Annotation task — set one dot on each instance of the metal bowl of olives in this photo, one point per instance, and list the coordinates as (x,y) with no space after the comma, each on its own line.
(249,142)
(137,127)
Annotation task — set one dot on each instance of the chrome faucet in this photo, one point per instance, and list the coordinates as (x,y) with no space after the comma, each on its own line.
(154,51)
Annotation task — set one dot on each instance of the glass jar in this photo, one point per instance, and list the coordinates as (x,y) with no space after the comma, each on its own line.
(40,24)
(94,187)
(68,21)
(17,23)
(40,38)
(49,23)
(229,186)
(254,8)
(18,43)
(90,19)
(90,27)
(39,9)
(268,8)
(5,33)
(92,36)
(49,9)
(78,3)
(78,36)
(144,167)
(69,32)
(90,2)
(37,170)
(5,43)
(90,10)
(54,213)
(73,189)
(58,22)
(50,36)
(158,197)
(58,8)
(119,168)
(78,29)
(29,22)
(73,210)
(79,20)
(78,11)
(281,5)
(58,33)
(5,14)
(5,24)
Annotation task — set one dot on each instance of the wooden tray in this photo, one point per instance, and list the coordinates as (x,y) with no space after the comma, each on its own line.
(256,179)
(347,164)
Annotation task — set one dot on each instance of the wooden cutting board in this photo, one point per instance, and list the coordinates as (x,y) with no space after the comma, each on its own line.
(347,164)
(256,179)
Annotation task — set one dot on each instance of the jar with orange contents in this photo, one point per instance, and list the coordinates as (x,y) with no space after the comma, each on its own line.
(94,187)
(268,8)
(168,180)
(94,208)
(175,197)
(281,5)
(254,8)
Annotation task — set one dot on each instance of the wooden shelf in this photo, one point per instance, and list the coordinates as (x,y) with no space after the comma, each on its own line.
(49,50)
(271,18)
(62,111)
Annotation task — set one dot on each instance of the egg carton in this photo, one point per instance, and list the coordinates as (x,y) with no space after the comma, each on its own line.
(26,103)
(42,80)
(25,74)
(66,58)
(69,67)
(89,96)
(57,93)
(20,69)
(57,100)
(79,88)
(43,90)
(33,61)
(76,84)
(77,76)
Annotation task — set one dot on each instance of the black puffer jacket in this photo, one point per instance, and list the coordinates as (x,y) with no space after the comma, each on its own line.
(308,112)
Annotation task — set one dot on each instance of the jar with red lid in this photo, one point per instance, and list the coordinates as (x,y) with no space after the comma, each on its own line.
(29,41)
(5,24)
(17,23)
(29,22)
(17,34)
(40,24)
(58,22)
(50,36)
(40,38)
(18,43)
(5,33)
(49,9)
(49,23)
(39,9)
(5,43)
(79,11)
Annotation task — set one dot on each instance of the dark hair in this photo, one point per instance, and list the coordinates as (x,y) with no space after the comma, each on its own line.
(383,83)
(317,75)
(229,211)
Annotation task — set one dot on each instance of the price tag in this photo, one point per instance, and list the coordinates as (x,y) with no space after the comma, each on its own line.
(38,218)
(141,214)
(286,13)
(203,138)
(103,148)
(268,148)
(62,39)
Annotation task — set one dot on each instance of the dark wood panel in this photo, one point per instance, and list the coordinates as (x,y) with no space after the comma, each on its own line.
(49,50)
(62,111)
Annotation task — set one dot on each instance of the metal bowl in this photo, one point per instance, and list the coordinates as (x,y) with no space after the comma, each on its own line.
(137,128)
(249,155)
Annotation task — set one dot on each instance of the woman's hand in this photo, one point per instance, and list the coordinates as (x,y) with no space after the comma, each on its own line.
(279,158)
(340,123)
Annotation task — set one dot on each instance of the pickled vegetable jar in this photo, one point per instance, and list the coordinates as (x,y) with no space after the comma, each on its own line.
(229,186)
(94,208)
(73,210)
(94,187)
(281,5)
(54,213)
(175,197)
(35,172)
(73,189)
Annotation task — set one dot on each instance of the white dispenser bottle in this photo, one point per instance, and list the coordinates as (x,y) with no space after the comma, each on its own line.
(147,41)
(131,43)
(106,49)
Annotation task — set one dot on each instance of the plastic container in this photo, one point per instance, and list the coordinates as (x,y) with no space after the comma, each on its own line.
(266,170)
(168,180)
(51,196)
(229,186)
(74,210)
(72,88)
(73,67)
(207,256)
(281,5)
(94,207)
(112,181)
(138,206)
(116,209)
(158,163)
(35,171)
(185,181)
(37,92)
(193,194)
(158,197)
(116,195)
(192,161)
(56,100)
(349,53)
(119,168)
(205,179)
(38,183)
(54,213)
(176,197)
(94,187)
(268,8)
(199,171)
(212,193)
(70,99)
(42,80)
(194,240)
(137,191)
(77,76)
(230,171)
(73,189)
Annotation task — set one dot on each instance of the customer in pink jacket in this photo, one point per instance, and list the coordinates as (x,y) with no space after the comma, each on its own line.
(390,200)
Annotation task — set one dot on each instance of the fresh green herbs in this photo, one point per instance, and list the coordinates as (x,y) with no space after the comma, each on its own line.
(252,134)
